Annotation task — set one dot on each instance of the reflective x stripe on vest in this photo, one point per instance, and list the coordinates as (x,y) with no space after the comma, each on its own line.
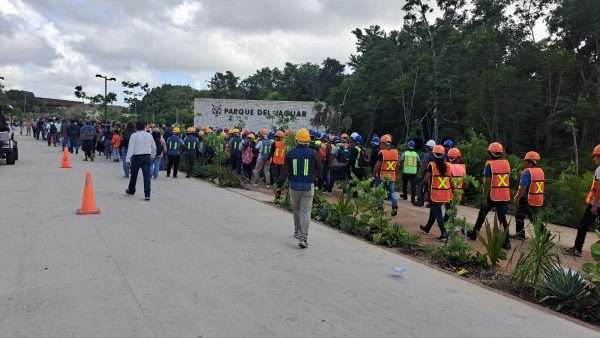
(266,147)
(304,167)
(535,195)
(191,145)
(173,145)
(388,166)
(410,162)
(279,155)
(357,160)
(440,187)
(500,182)
(458,179)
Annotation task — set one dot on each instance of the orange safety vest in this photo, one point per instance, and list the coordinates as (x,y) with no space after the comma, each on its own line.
(440,187)
(535,195)
(591,196)
(500,189)
(389,164)
(458,179)
(279,155)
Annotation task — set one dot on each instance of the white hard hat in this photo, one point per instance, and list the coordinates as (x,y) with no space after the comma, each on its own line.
(353,135)
(430,144)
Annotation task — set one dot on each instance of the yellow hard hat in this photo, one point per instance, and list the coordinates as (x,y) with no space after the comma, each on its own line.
(191,130)
(176,130)
(234,131)
(303,136)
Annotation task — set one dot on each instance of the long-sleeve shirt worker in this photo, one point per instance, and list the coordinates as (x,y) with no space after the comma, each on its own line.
(141,143)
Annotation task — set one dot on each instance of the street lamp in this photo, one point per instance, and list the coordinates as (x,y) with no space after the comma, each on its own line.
(106,79)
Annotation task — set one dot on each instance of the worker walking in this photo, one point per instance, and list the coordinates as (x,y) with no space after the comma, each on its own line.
(385,170)
(530,196)
(263,162)
(496,189)
(302,167)
(409,162)
(458,171)
(234,147)
(593,208)
(174,145)
(278,153)
(192,144)
(438,177)
(359,159)
(426,157)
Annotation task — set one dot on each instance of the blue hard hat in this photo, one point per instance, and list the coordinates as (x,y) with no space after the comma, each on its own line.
(375,140)
(337,139)
(271,134)
(358,139)
(317,134)
(448,143)
(411,144)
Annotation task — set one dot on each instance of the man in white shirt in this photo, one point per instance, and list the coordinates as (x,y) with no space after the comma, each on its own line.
(140,153)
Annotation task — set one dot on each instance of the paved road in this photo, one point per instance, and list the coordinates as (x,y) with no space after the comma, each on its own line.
(198,261)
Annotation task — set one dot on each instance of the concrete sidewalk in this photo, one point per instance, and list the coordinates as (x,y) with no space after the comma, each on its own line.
(199,261)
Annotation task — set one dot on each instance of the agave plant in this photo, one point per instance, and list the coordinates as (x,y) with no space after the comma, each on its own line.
(562,288)
(538,260)
(492,240)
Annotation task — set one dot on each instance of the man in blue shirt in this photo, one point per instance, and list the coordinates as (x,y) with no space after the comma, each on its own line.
(302,167)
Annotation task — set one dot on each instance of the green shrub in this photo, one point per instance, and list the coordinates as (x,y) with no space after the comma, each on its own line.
(396,236)
(592,270)
(564,197)
(492,240)
(455,253)
(562,288)
(539,259)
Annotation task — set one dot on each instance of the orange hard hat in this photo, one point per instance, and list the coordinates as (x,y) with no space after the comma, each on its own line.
(596,150)
(496,148)
(532,156)
(438,151)
(387,139)
(454,153)
(279,133)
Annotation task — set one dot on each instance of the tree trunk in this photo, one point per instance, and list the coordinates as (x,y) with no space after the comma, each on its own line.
(575,148)
(435,77)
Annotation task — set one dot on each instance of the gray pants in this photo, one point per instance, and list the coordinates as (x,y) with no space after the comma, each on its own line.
(265,166)
(302,206)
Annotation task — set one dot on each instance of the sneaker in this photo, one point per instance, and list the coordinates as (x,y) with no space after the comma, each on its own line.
(572,252)
(506,245)
(268,186)
(147,198)
(443,237)
(256,184)
(471,234)
(127,192)
(404,197)
(303,244)
(424,228)
(394,212)
(519,236)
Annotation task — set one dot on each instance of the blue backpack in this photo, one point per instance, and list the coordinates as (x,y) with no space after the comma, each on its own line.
(343,154)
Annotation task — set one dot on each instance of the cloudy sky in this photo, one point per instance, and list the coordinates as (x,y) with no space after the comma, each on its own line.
(50,46)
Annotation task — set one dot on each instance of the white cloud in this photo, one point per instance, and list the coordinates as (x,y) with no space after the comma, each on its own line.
(184,13)
(55,45)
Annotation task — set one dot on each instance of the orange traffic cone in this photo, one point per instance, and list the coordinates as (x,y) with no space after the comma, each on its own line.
(88,203)
(66,162)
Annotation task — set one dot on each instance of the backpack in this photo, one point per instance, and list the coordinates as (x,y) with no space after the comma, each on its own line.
(159,148)
(247,154)
(343,154)
(53,129)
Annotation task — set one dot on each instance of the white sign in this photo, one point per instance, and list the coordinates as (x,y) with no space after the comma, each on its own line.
(253,114)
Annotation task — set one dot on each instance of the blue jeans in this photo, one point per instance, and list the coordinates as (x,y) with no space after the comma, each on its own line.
(125,165)
(138,162)
(391,188)
(156,166)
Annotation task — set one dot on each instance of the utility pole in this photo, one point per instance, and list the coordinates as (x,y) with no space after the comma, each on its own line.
(106,79)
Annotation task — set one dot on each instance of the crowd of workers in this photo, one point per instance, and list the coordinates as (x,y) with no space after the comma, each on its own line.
(434,176)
